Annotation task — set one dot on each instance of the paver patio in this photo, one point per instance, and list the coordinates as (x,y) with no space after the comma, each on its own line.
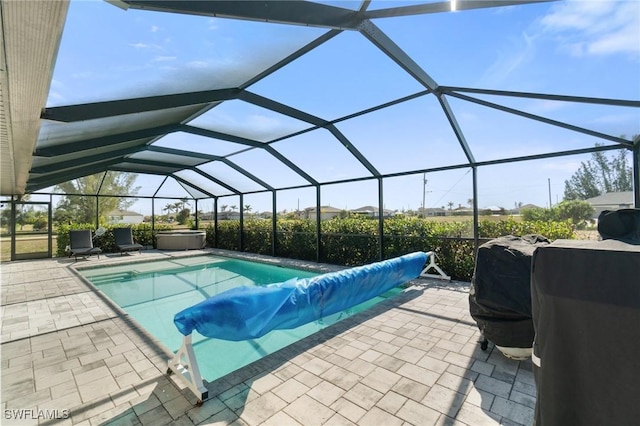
(68,351)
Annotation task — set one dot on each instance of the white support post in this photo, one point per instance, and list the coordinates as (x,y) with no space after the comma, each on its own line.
(432,264)
(185,366)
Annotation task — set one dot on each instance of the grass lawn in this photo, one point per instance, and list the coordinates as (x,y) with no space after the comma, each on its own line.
(25,244)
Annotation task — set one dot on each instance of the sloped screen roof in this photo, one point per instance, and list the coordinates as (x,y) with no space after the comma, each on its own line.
(237,97)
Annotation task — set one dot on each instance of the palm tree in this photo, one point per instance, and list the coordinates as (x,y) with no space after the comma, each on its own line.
(450,204)
(234,207)
(470,202)
(223,208)
(247,208)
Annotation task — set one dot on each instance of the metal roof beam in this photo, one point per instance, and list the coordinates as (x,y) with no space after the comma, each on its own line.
(216,180)
(90,111)
(541,119)
(83,161)
(184,182)
(218,135)
(247,174)
(82,145)
(354,115)
(56,178)
(285,12)
(283,109)
(353,150)
(312,119)
(549,155)
(292,57)
(291,165)
(393,51)
(453,122)
(183,153)
(172,166)
(376,36)
(549,97)
(444,6)
(249,142)
(226,161)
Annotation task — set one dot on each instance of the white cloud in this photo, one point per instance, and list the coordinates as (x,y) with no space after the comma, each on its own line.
(519,52)
(595,27)
(155,28)
(139,45)
(164,58)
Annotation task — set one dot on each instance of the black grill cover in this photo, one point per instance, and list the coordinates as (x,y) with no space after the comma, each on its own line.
(500,294)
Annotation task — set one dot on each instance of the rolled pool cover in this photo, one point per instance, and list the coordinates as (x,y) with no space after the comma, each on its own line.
(244,313)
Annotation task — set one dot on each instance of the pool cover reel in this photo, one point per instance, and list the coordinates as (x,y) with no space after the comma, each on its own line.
(244,313)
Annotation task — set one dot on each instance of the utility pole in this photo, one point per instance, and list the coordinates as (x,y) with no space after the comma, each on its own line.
(424,192)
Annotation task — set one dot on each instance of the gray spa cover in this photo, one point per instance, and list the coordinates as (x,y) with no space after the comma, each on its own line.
(586,314)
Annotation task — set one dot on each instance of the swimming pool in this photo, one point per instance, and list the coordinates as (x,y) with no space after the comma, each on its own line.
(153,292)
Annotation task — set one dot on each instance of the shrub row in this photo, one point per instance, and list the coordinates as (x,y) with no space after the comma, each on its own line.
(350,241)
(354,241)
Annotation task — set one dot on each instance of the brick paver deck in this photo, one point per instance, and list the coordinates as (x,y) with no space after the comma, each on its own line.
(68,351)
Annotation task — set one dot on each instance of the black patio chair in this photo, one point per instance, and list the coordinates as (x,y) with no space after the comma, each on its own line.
(124,240)
(81,244)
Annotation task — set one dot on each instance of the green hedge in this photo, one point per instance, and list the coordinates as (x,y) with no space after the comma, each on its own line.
(141,234)
(350,241)
(354,241)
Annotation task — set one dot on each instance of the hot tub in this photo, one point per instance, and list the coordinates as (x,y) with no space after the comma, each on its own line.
(180,240)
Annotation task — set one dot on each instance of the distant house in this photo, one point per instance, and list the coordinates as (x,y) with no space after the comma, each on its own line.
(432,211)
(229,215)
(611,201)
(461,211)
(326,212)
(124,216)
(371,211)
(492,210)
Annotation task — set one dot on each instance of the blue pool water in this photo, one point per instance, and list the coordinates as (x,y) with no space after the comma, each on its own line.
(153,292)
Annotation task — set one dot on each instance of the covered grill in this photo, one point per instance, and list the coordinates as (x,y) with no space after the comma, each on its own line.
(500,295)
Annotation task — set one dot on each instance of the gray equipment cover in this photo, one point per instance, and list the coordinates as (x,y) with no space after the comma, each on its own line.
(586,314)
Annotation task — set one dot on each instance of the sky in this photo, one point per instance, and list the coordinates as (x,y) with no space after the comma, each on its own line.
(580,48)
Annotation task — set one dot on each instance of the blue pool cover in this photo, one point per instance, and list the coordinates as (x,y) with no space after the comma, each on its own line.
(244,313)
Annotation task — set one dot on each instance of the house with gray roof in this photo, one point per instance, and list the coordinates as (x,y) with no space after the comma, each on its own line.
(611,201)
(124,216)
(372,211)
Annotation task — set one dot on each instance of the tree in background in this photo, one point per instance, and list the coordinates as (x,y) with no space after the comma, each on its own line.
(183,215)
(600,175)
(81,208)
(577,211)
